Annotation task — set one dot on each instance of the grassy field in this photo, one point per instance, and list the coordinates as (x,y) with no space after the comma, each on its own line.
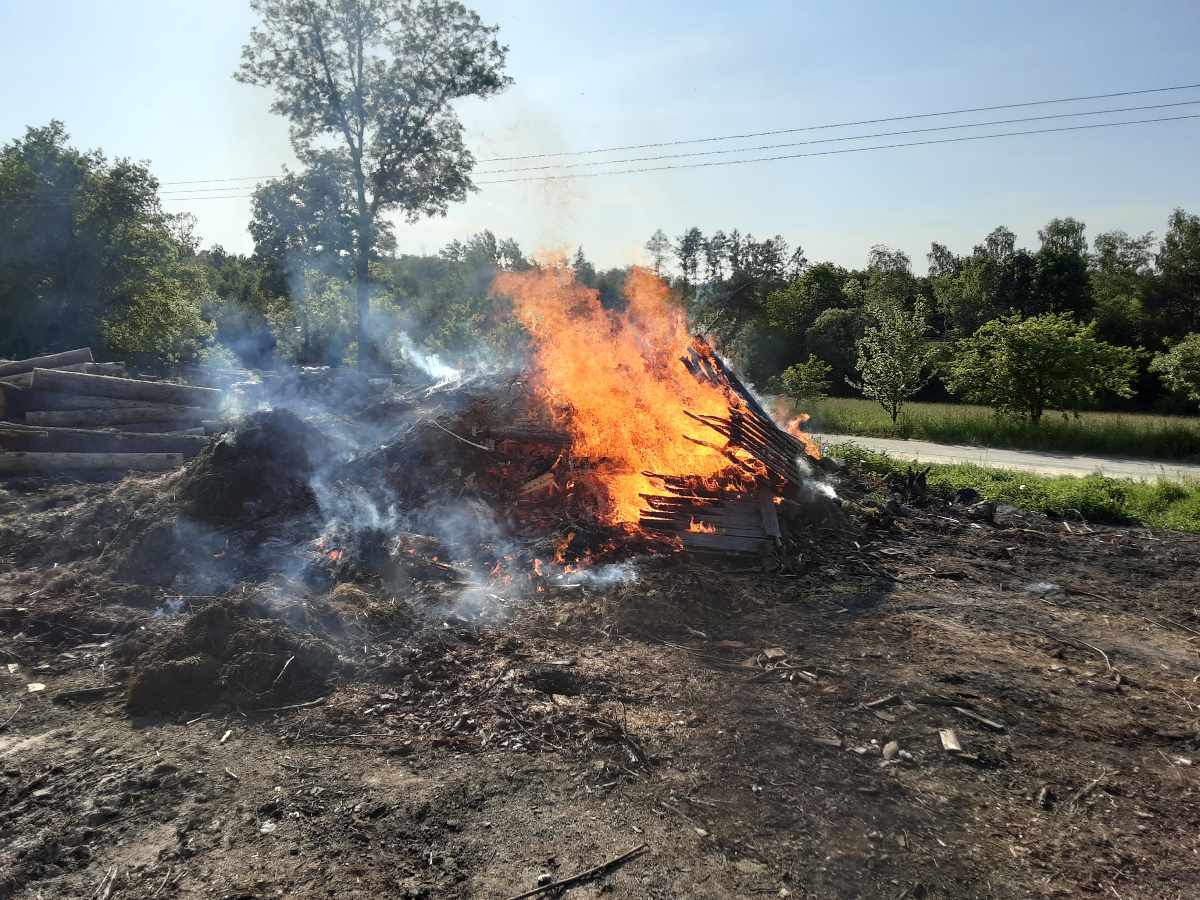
(1161,504)
(1111,434)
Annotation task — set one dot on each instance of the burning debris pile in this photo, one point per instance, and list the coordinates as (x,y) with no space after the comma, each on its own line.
(66,413)
(625,436)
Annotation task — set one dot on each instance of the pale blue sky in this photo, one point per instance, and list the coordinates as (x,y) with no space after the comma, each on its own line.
(152,79)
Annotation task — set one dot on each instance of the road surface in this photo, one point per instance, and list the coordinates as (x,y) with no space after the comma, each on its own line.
(1043,462)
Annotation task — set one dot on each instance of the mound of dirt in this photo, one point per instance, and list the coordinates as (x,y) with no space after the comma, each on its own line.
(231,652)
(259,469)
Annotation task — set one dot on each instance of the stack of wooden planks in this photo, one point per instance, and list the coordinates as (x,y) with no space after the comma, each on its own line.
(64,412)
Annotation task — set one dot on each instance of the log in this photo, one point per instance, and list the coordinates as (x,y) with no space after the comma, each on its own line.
(95,418)
(25,379)
(28,400)
(20,463)
(80,440)
(162,428)
(49,361)
(125,388)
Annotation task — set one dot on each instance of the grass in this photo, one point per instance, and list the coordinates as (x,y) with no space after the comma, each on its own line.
(1106,434)
(1160,504)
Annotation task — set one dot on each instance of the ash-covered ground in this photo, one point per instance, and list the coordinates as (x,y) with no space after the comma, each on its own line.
(317,665)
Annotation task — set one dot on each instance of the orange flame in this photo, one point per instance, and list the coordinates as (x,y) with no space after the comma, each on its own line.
(701,527)
(615,380)
(793,427)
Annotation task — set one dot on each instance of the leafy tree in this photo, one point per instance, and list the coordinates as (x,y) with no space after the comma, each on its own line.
(688,248)
(894,353)
(316,328)
(716,250)
(998,246)
(445,302)
(1120,274)
(86,252)
(1179,367)
(377,78)
(1173,303)
(238,301)
(941,260)
(965,296)
(1061,280)
(659,248)
(163,324)
(585,272)
(795,307)
(834,337)
(808,380)
(1028,365)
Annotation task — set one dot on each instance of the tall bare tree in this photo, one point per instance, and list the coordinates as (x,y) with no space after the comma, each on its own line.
(373,82)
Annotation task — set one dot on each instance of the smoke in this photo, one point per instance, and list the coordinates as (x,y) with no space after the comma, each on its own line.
(427,362)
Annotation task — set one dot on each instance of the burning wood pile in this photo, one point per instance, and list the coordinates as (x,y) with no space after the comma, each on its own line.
(67,413)
(628,430)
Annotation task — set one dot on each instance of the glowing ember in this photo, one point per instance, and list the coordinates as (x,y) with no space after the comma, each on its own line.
(614,380)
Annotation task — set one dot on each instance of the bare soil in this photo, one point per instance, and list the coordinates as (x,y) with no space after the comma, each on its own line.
(739,724)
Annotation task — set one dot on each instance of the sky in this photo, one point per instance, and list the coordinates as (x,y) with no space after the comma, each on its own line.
(152,80)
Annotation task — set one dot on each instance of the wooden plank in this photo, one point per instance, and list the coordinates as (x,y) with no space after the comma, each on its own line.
(28,400)
(125,388)
(48,361)
(19,463)
(770,517)
(719,543)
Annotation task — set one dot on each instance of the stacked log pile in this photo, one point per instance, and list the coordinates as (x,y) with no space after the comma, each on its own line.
(64,412)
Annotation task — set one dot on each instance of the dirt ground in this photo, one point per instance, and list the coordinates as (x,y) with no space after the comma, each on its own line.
(760,735)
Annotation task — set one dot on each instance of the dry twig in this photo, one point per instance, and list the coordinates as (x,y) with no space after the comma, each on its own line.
(585,874)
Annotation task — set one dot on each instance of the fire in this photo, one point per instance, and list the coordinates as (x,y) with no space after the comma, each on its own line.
(614,379)
(793,427)
(701,527)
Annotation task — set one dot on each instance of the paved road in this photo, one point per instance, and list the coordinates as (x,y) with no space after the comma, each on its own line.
(1047,463)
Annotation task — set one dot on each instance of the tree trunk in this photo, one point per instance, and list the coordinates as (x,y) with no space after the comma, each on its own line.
(367,356)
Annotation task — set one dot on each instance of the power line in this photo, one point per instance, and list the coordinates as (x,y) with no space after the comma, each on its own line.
(758,159)
(753,134)
(734,162)
(854,137)
(229,181)
(193,193)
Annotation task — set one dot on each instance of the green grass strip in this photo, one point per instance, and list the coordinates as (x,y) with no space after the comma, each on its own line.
(1095,498)
(1105,434)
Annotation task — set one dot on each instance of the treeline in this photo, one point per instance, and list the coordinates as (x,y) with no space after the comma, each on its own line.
(89,257)
(788,319)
